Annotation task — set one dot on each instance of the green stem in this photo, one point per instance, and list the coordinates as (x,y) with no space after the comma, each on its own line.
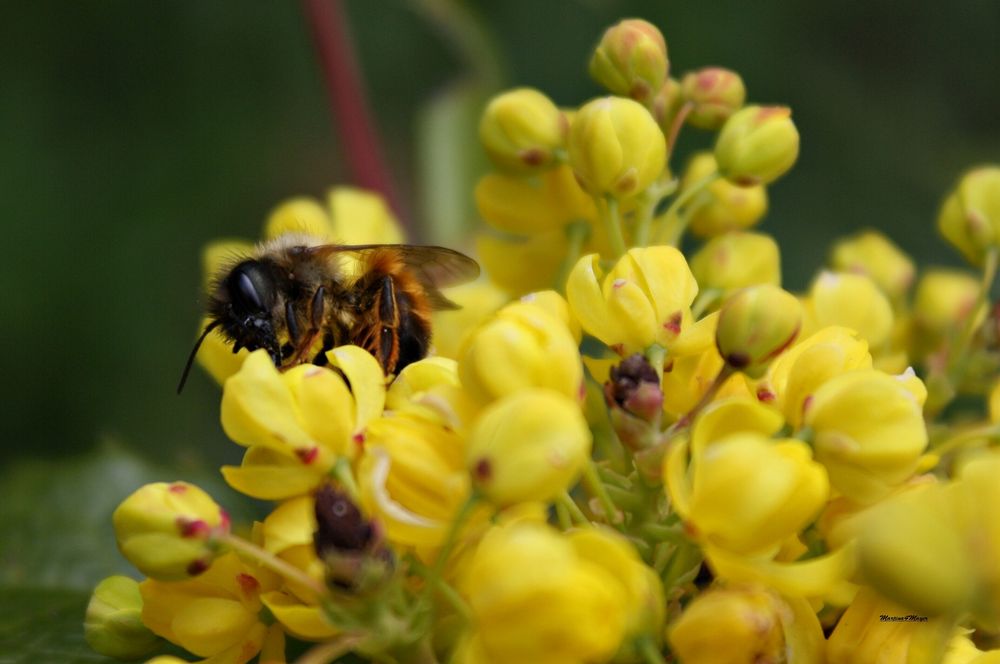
(577,234)
(342,473)
(704,301)
(562,514)
(445,589)
(686,196)
(724,373)
(959,439)
(592,480)
(649,651)
(656,356)
(647,207)
(611,216)
(573,509)
(675,127)
(451,538)
(272,562)
(324,653)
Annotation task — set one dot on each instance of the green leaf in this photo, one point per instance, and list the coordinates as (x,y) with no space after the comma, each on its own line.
(56,517)
(44,626)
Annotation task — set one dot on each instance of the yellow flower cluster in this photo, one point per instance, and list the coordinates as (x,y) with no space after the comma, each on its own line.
(615,452)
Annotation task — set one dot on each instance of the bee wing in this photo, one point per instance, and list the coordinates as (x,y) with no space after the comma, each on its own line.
(434,267)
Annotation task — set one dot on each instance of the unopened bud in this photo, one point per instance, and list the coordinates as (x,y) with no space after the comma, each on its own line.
(635,401)
(168,531)
(874,255)
(736,260)
(715,94)
(521,130)
(349,545)
(113,625)
(615,147)
(666,104)
(755,326)
(970,216)
(722,206)
(757,145)
(631,60)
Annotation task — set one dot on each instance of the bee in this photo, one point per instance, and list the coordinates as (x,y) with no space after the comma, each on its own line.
(295,299)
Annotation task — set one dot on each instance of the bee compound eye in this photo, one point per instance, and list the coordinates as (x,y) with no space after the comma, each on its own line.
(246,291)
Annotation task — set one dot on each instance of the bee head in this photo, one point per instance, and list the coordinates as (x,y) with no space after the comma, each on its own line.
(244,304)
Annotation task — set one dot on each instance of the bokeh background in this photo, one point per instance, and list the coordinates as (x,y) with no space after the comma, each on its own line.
(133,133)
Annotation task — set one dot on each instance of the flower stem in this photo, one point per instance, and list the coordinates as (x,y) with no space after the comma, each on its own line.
(683,198)
(656,355)
(272,562)
(324,653)
(577,233)
(720,378)
(650,652)
(574,510)
(343,474)
(451,538)
(593,482)
(675,127)
(348,103)
(611,216)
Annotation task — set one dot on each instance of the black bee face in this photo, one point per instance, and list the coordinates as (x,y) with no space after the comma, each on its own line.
(244,307)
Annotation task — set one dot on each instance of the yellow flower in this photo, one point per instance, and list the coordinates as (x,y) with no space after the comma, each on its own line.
(797,373)
(477,301)
(214,615)
(757,145)
(943,301)
(748,493)
(555,304)
(521,130)
(616,147)
(868,431)
(715,94)
(910,551)
(113,624)
(644,299)
(642,587)
(874,255)
(666,104)
(722,206)
(528,446)
(756,325)
(863,637)
(535,599)
(736,260)
(521,347)
(430,390)
(758,625)
(166,530)
(412,479)
(850,300)
(970,216)
(297,424)
(631,59)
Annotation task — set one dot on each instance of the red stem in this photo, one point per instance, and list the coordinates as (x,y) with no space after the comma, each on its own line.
(348,103)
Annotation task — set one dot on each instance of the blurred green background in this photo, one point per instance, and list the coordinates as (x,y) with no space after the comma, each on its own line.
(134,133)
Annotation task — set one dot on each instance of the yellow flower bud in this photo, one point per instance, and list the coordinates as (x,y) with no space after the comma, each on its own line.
(521,130)
(166,530)
(872,254)
(736,260)
(854,301)
(478,301)
(535,599)
(722,206)
(863,637)
(757,145)
(758,626)
(616,147)
(644,299)
(631,59)
(869,432)
(910,551)
(529,446)
(522,347)
(640,584)
(553,303)
(750,494)
(715,93)
(797,373)
(755,326)
(970,216)
(113,623)
(944,299)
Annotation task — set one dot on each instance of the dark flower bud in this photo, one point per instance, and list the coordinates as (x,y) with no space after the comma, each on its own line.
(635,400)
(349,545)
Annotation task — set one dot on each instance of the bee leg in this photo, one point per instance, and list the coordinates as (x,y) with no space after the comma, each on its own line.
(291,323)
(316,311)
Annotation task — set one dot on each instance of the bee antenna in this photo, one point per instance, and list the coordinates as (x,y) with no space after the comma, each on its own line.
(194,351)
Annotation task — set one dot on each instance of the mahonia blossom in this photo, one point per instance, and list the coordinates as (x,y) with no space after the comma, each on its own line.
(615,452)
